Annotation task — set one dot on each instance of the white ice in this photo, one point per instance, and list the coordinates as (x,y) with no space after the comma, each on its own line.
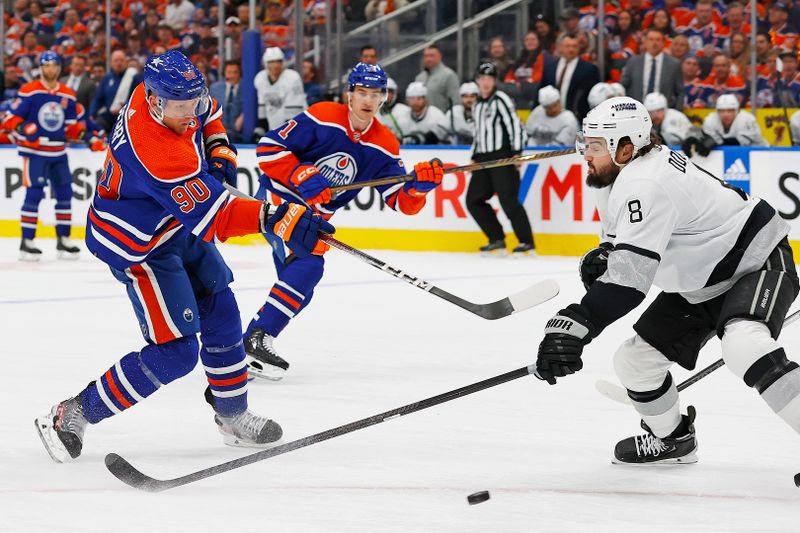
(367,344)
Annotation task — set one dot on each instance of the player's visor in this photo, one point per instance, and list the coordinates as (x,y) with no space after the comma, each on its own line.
(591,146)
(185,108)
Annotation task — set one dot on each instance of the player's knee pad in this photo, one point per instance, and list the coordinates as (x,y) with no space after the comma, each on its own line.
(303,273)
(220,322)
(63,194)
(33,196)
(744,342)
(171,360)
(639,366)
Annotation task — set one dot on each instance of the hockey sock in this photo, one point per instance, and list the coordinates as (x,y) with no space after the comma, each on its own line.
(63,209)
(136,376)
(659,408)
(29,216)
(290,294)
(222,353)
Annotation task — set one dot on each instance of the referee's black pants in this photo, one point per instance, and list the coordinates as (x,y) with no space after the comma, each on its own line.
(505,182)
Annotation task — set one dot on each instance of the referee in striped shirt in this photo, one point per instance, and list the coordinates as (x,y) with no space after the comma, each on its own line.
(498,134)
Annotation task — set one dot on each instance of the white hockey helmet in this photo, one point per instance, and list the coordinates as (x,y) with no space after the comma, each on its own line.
(599,93)
(548,95)
(416,89)
(391,85)
(272,53)
(468,87)
(655,102)
(615,119)
(727,101)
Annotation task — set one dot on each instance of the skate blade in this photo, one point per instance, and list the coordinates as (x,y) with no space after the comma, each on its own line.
(688,459)
(43,428)
(29,257)
(68,256)
(236,442)
(495,253)
(273,374)
(522,255)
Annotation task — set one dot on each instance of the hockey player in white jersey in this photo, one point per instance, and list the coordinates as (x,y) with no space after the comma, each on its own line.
(280,93)
(672,125)
(390,108)
(458,119)
(599,93)
(421,123)
(729,125)
(794,128)
(721,258)
(549,124)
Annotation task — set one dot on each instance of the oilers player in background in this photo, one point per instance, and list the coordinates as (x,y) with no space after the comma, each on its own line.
(154,220)
(721,258)
(328,145)
(42,118)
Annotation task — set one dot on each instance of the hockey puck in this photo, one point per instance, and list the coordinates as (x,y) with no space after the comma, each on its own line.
(797,480)
(482,496)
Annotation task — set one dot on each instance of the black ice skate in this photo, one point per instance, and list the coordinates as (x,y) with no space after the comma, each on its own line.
(61,430)
(66,248)
(523,249)
(28,251)
(494,248)
(248,430)
(262,361)
(678,448)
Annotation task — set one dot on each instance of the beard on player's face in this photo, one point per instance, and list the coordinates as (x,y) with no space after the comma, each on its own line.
(602,172)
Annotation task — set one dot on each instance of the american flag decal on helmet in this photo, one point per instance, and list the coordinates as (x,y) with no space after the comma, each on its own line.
(189,75)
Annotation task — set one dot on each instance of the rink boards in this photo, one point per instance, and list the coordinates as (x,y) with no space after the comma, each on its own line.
(559,204)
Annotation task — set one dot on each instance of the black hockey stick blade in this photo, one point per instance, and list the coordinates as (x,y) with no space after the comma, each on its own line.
(129,475)
(525,299)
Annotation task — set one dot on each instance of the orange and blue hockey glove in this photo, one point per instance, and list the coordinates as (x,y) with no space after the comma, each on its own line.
(427,176)
(298,227)
(312,186)
(29,130)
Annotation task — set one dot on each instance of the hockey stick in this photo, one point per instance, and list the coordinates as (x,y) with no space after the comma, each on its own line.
(464,168)
(526,298)
(620,395)
(129,475)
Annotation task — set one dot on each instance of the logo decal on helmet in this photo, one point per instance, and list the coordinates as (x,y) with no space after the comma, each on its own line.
(624,107)
(189,75)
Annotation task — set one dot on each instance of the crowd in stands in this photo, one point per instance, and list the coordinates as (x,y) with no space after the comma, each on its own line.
(689,53)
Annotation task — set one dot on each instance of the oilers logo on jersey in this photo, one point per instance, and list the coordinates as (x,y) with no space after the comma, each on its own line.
(51,116)
(339,168)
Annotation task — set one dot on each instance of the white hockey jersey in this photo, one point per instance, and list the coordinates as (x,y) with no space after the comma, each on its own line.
(794,125)
(744,130)
(674,127)
(280,100)
(427,129)
(560,130)
(389,118)
(676,226)
(459,127)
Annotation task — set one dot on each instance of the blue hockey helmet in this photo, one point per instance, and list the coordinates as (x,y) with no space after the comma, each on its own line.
(173,78)
(48,57)
(366,75)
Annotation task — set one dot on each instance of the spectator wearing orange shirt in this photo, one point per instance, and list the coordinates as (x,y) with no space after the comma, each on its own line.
(720,82)
(166,37)
(783,34)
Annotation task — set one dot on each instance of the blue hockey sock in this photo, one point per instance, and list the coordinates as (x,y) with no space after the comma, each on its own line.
(63,209)
(29,216)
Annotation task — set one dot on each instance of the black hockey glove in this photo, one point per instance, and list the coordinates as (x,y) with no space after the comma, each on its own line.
(594,263)
(560,351)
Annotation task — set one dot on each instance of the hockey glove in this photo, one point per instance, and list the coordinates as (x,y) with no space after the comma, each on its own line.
(427,176)
(298,227)
(311,185)
(222,163)
(96,144)
(29,130)
(594,263)
(560,351)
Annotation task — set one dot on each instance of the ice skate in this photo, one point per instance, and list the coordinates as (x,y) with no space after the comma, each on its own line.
(523,249)
(649,449)
(248,430)
(28,251)
(262,361)
(61,430)
(497,248)
(66,249)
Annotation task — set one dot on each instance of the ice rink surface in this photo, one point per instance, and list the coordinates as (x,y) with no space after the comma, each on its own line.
(367,344)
